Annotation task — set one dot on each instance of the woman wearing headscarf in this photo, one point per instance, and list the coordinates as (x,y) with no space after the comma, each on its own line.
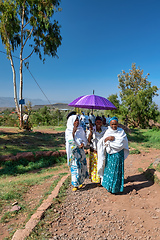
(112,151)
(75,141)
(94,134)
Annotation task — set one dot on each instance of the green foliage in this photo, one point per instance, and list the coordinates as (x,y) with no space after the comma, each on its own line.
(28,23)
(137,97)
(48,117)
(30,19)
(9,118)
(41,117)
(113,98)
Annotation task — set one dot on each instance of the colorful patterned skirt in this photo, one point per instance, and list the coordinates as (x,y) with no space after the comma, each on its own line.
(113,178)
(93,175)
(78,166)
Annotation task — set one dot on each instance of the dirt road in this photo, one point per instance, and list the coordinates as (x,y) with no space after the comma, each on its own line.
(93,213)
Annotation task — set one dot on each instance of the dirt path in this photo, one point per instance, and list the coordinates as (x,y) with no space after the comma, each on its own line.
(93,213)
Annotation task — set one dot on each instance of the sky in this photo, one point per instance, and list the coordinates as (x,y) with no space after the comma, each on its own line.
(99,40)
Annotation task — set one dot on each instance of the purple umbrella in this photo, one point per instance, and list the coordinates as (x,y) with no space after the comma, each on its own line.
(92,102)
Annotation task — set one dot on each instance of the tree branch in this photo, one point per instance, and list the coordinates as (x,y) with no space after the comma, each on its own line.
(28,37)
(28,55)
(26,24)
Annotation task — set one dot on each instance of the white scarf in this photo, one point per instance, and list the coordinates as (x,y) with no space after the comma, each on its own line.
(79,136)
(120,142)
(96,136)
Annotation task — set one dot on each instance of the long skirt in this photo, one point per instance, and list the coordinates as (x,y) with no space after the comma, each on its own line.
(113,178)
(78,167)
(93,174)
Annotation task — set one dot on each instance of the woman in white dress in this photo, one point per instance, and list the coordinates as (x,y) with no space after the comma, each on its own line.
(94,134)
(75,142)
(112,151)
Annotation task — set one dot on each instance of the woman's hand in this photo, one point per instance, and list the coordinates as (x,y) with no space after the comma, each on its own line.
(110,138)
(81,146)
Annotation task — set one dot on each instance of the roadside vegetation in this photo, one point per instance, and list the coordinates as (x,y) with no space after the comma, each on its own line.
(26,184)
(144,139)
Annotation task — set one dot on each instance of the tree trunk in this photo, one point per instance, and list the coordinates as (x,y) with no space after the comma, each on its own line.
(21,68)
(14,84)
(20,94)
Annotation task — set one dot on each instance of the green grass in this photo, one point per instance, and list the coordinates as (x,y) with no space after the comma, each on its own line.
(158,167)
(135,151)
(41,230)
(60,128)
(22,141)
(23,165)
(144,139)
(149,174)
(56,128)
(14,189)
(32,179)
(140,170)
(16,177)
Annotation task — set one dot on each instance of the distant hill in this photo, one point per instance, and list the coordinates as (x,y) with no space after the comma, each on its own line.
(8,102)
(61,106)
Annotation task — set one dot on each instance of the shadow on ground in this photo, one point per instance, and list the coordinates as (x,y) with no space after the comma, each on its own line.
(132,183)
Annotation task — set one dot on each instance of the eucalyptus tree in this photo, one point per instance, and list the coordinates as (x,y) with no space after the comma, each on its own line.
(28,23)
(137,95)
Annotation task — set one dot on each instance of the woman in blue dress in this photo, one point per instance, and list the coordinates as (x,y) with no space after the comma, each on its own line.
(75,142)
(112,151)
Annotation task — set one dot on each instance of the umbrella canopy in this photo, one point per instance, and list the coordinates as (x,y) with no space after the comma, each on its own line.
(92,102)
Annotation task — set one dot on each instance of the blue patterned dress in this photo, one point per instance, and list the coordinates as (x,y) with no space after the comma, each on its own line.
(78,166)
(113,178)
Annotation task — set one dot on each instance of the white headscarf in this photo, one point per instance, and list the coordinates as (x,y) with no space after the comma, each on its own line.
(79,136)
(120,142)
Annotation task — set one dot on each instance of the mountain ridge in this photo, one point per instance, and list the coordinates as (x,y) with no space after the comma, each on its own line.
(8,102)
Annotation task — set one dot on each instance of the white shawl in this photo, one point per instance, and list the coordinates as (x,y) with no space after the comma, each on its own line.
(79,136)
(120,142)
(96,136)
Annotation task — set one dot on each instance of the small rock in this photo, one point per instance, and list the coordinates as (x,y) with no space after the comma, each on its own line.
(157,209)
(156,162)
(134,192)
(15,208)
